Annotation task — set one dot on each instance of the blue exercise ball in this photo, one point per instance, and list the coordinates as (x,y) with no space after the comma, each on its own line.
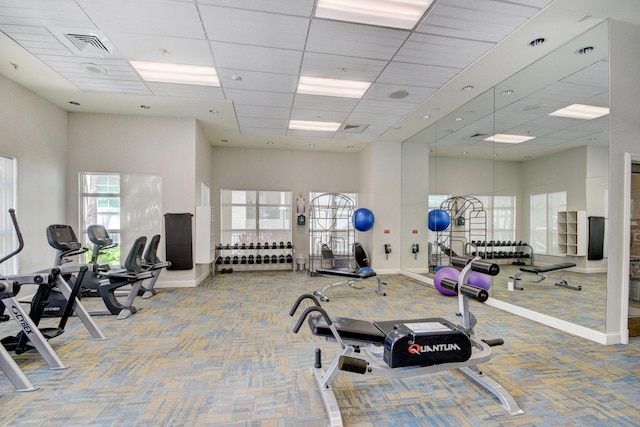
(439,220)
(363,219)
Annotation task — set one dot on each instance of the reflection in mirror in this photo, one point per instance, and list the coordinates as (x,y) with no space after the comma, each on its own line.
(541,191)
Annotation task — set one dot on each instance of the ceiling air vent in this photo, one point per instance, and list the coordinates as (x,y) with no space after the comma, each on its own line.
(352,128)
(83,42)
(479,135)
(87,41)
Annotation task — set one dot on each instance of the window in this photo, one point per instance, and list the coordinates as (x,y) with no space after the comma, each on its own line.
(127,205)
(544,221)
(501,217)
(255,216)
(8,239)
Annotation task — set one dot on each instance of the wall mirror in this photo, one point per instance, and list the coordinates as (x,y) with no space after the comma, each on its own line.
(527,188)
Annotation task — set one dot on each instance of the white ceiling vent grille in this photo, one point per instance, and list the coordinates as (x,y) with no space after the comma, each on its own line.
(352,128)
(87,41)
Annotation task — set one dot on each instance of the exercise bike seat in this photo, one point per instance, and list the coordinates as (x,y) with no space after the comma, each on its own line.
(131,274)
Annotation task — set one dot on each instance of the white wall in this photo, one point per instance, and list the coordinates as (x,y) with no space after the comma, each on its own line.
(416,175)
(624,60)
(284,170)
(137,144)
(35,132)
(380,185)
(203,172)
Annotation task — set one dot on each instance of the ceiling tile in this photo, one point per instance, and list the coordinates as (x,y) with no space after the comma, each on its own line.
(256,58)
(253,80)
(262,111)
(341,38)
(324,103)
(150,17)
(381,92)
(441,51)
(254,28)
(341,67)
(176,50)
(417,74)
(269,99)
(285,7)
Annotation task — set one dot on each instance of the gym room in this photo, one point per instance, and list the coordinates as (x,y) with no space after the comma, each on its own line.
(190,253)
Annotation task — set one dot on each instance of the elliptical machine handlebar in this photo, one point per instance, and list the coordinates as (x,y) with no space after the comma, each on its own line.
(16,227)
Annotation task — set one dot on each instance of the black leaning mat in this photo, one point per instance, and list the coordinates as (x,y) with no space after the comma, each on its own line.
(178,241)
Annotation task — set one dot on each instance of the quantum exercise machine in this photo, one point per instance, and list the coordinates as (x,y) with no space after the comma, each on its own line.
(540,272)
(407,348)
(351,276)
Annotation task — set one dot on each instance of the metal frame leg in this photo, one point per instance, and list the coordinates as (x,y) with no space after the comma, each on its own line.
(480,378)
(33,333)
(14,373)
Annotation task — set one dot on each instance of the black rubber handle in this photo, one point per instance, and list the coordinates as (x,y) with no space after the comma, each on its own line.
(300,299)
(469,290)
(476,265)
(304,315)
(12,212)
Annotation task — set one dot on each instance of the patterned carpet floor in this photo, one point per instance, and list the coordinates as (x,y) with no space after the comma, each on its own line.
(224,354)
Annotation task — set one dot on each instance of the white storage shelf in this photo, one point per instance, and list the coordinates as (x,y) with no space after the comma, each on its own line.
(572,233)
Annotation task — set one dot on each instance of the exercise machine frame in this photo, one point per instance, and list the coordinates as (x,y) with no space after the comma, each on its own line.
(350,342)
(540,273)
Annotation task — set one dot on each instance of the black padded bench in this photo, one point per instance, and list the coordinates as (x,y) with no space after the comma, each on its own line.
(541,273)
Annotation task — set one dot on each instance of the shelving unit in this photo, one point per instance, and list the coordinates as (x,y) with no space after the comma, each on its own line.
(205,235)
(572,233)
(252,257)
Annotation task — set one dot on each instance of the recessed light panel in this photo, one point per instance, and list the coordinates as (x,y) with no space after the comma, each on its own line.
(505,138)
(581,111)
(177,73)
(316,126)
(332,87)
(403,14)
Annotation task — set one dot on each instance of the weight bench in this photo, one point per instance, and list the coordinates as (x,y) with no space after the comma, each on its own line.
(350,276)
(350,279)
(405,348)
(541,273)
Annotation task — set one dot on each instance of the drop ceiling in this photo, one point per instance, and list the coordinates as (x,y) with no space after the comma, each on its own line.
(77,53)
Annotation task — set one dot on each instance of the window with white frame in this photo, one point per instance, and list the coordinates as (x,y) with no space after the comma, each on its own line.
(255,216)
(501,217)
(544,221)
(127,205)
(8,238)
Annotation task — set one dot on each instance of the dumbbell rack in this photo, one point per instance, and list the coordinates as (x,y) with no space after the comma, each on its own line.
(252,257)
(516,252)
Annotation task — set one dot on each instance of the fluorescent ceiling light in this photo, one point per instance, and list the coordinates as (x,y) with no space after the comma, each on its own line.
(317,126)
(581,111)
(508,139)
(177,73)
(332,87)
(403,14)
